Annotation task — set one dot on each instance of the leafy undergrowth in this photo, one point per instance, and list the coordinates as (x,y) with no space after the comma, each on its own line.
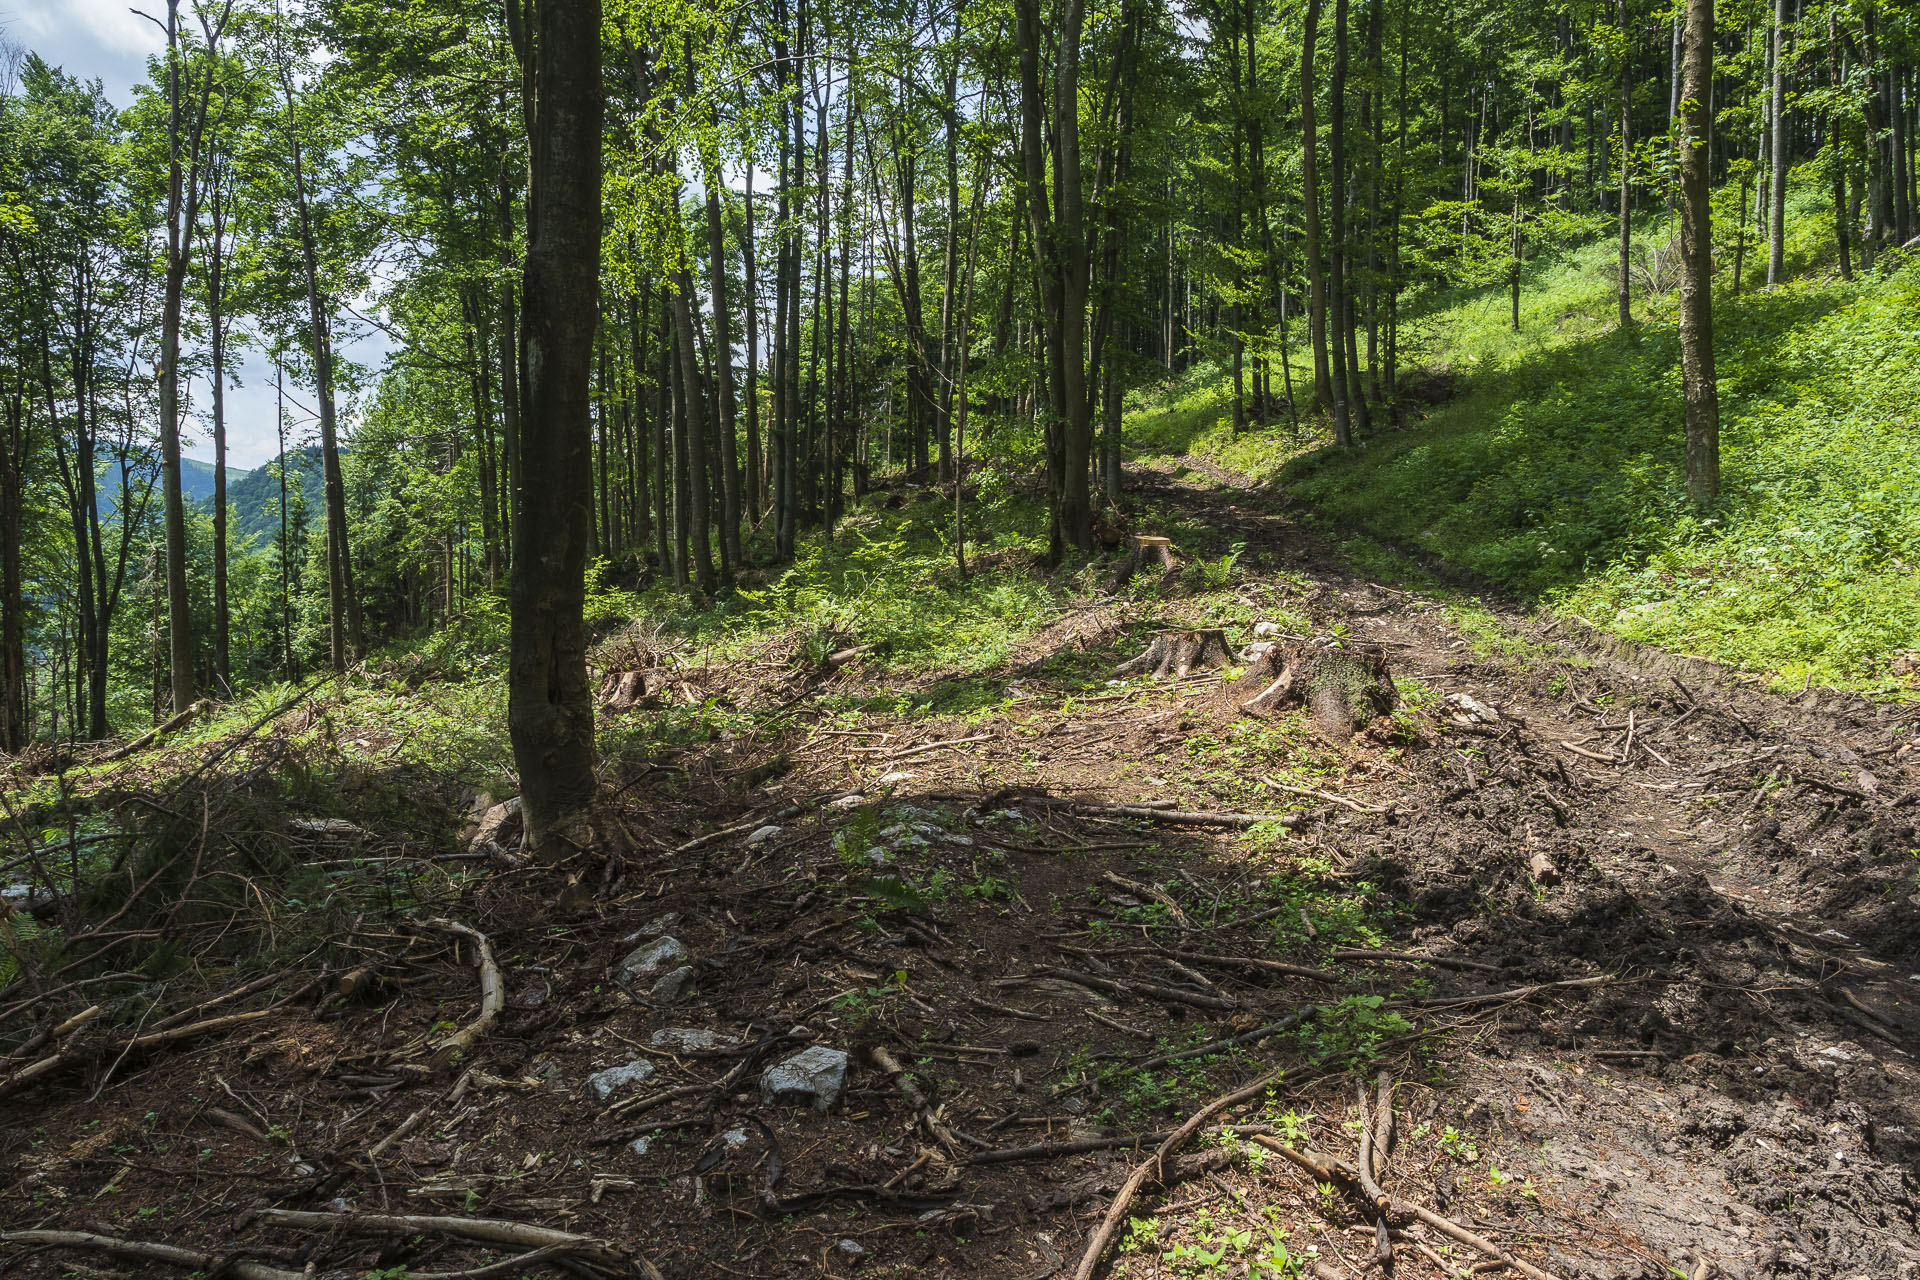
(1557,474)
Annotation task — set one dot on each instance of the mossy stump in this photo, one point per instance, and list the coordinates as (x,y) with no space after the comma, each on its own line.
(1343,684)
(1178,653)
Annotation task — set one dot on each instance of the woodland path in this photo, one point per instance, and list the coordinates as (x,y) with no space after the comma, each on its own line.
(1721,881)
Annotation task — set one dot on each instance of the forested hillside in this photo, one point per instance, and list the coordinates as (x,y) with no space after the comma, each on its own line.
(1030,639)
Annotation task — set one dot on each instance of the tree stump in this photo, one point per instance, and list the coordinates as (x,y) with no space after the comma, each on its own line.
(624,689)
(1179,653)
(1150,553)
(1343,684)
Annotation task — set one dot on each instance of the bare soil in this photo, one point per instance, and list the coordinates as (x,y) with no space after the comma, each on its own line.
(1653,1014)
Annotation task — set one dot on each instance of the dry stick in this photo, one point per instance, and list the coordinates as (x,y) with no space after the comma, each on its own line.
(493,995)
(1103,1234)
(1355,805)
(1137,987)
(1080,1146)
(1591,755)
(1382,1124)
(33,1071)
(56,1034)
(921,1106)
(1231,1042)
(1160,896)
(186,1259)
(791,811)
(1413,957)
(1484,1245)
(924,747)
(1241,962)
(1513,993)
(491,1230)
(150,736)
(1191,817)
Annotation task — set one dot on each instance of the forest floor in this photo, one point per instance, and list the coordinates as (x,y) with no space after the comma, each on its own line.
(1621,968)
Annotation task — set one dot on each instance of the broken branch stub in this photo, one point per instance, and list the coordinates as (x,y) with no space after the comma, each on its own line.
(1179,653)
(1344,685)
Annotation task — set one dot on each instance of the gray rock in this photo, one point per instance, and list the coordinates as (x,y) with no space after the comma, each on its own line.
(602,1084)
(654,927)
(765,834)
(673,987)
(690,1039)
(816,1076)
(646,964)
(851,1248)
(641,1145)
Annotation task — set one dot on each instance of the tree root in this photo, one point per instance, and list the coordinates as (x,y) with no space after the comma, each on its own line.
(146,1251)
(591,1249)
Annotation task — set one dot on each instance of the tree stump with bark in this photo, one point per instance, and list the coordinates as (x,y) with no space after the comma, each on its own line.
(1149,554)
(1178,653)
(623,689)
(1344,685)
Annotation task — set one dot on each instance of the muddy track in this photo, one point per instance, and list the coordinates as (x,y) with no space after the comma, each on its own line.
(1749,859)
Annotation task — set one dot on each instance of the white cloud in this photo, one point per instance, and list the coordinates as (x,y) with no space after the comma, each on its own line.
(110,25)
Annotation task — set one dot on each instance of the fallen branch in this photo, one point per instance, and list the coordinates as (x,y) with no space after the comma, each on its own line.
(922,1107)
(153,735)
(1512,993)
(1160,896)
(493,995)
(47,1065)
(1414,957)
(1232,962)
(1484,1245)
(146,1251)
(1355,805)
(1137,987)
(1117,1211)
(1182,817)
(791,811)
(591,1249)
(1240,1041)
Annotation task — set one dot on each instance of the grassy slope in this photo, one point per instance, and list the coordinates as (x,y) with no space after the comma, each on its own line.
(1556,472)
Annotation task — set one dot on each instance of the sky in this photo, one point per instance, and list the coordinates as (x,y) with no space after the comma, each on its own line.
(107,41)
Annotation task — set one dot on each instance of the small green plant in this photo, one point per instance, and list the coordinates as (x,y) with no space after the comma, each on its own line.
(1355,1028)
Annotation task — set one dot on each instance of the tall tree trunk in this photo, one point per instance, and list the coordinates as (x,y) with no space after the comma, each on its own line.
(550,706)
(722,349)
(1338,303)
(755,496)
(1777,113)
(1624,267)
(217,336)
(1696,250)
(1310,194)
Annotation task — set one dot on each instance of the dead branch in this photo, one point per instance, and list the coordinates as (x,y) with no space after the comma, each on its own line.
(1355,805)
(152,1039)
(923,1108)
(791,811)
(493,995)
(1181,817)
(591,1249)
(1160,896)
(171,1255)
(1103,1234)
(1138,987)
(154,734)
(1413,957)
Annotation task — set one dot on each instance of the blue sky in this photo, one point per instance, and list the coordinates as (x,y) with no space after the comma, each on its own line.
(107,41)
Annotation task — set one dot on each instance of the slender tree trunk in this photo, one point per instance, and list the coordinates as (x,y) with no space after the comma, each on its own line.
(1777,113)
(1696,249)
(1310,194)
(1624,266)
(550,706)
(723,351)
(217,335)
(755,495)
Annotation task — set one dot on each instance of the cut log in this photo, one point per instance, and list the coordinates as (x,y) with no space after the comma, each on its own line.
(1344,684)
(1180,653)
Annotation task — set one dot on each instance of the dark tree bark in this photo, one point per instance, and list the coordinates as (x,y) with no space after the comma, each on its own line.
(1696,250)
(217,336)
(550,704)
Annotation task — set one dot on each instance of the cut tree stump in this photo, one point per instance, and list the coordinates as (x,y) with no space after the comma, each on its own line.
(623,689)
(1150,554)
(1344,684)
(1179,653)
